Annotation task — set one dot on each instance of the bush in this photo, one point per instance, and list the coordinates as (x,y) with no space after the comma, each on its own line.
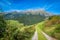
(2,26)
(17,31)
(26,34)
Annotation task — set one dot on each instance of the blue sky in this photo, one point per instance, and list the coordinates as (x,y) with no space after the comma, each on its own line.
(48,5)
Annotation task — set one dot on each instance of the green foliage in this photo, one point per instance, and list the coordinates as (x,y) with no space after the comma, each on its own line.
(17,31)
(2,26)
(26,34)
(53,20)
(52,27)
(12,28)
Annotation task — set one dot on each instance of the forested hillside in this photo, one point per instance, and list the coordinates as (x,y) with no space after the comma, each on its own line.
(28,18)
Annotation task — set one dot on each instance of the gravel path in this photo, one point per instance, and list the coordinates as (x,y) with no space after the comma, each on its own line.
(35,36)
(47,37)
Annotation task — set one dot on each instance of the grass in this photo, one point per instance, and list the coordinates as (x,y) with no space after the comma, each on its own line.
(49,30)
(53,31)
(39,26)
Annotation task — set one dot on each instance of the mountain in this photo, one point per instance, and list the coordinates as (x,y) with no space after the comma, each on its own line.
(28,17)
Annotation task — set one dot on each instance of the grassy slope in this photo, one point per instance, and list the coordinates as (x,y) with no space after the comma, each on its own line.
(49,30)
(39,26)
(52,31)
(52,27)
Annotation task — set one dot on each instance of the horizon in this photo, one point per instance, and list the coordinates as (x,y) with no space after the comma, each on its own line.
(47,5)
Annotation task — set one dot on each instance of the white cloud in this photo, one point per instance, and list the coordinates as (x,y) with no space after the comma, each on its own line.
(6,2)
(13,10)
(49,6)
(9,3)
(46,7)
(26,10)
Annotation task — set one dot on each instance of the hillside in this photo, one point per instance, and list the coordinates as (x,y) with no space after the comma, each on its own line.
(52,26)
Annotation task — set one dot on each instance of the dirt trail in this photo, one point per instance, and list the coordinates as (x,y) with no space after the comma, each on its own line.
(47,37)
(35,36)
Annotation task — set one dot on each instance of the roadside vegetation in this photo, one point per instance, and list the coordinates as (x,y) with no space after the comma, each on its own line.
(52,27)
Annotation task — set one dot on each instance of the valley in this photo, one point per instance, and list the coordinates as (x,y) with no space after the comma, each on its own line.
(29,26)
